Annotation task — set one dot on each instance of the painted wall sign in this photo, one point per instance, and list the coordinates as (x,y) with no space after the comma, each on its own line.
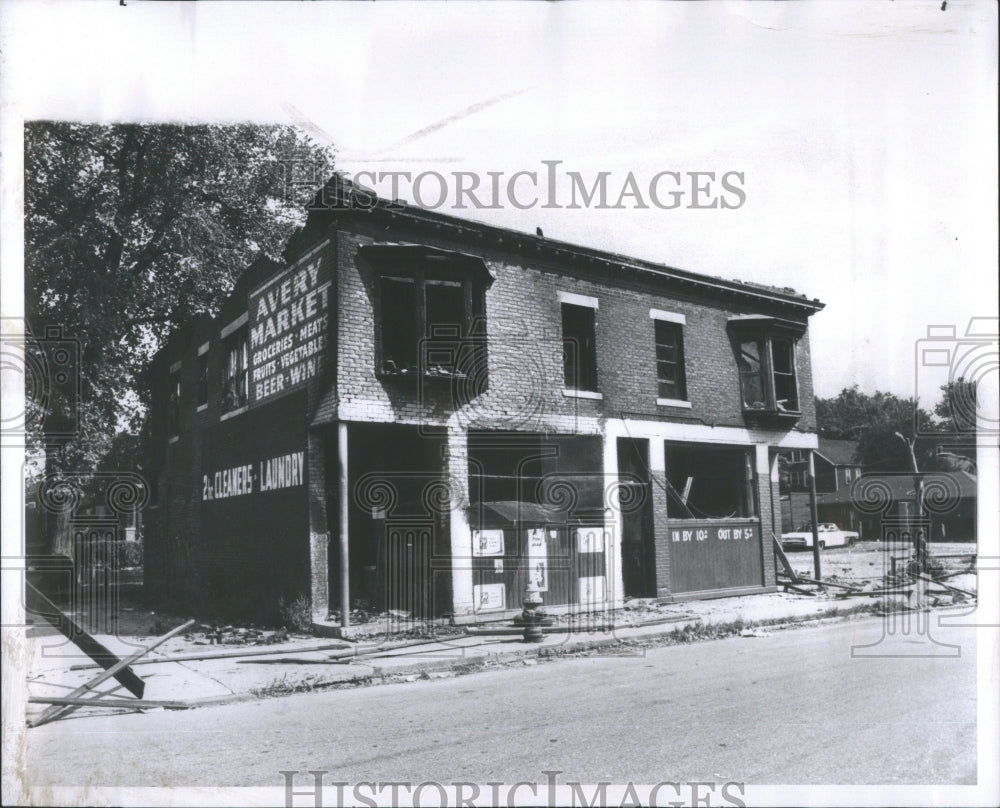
(714,533)
(288,320)
(284,471)
(707,555)
(538,559)
(487,542)
(489,597)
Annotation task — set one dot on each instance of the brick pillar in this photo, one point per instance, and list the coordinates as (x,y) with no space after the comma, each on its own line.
(457,470)
(661,532)
(319,536)
(613,525)
(767,483)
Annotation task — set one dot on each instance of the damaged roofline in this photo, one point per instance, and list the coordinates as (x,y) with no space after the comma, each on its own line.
(522,240)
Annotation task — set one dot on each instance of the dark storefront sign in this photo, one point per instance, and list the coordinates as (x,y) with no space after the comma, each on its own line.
(714,554)
(289,321)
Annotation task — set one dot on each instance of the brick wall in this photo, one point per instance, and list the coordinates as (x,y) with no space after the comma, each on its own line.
(525,352)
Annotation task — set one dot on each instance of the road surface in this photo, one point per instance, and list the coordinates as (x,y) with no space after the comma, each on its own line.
(790,708)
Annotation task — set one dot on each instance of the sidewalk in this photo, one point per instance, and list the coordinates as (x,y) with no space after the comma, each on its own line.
(241,673)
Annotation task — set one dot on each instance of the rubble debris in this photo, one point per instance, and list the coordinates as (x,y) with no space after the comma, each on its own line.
(58,711)
(41,606)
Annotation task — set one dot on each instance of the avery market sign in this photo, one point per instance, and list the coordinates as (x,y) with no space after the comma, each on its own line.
(284,471)
(289,317)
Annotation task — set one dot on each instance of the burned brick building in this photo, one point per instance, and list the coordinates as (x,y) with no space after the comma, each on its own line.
(420,413)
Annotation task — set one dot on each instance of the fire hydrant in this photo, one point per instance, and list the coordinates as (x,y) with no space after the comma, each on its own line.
(531,617)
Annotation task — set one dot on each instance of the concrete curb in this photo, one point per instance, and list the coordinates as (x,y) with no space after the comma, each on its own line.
(449,663)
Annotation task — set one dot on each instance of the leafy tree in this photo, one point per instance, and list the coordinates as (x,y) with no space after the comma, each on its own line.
(131,230)
(956,412)
(873,421)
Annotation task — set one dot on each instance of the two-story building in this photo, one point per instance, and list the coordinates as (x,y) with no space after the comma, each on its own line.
(837,469)
(421,413)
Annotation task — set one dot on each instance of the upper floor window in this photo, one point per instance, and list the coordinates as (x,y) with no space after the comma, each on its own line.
(766,359)
(174,402)
(579,342)
(671,379)
(430,312)
(235,382)
(202,389)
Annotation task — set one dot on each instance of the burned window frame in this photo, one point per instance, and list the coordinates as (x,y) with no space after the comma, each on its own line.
(765,333)
(439,349)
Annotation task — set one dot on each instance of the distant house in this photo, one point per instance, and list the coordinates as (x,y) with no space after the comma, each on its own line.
(879,501)
(836,470)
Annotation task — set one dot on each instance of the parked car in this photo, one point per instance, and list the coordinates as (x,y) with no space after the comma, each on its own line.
(829,536)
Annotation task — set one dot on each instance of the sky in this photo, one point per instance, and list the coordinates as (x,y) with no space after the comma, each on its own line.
(865,133)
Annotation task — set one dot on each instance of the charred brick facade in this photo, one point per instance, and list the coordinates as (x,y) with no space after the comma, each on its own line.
(359,469)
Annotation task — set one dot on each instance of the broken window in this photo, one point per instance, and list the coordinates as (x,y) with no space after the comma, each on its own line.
(786,392)
(235,389)
(705,481)
(431,323)
(579,347)
(752,376)
(670,376)
(399,324)
(765,350)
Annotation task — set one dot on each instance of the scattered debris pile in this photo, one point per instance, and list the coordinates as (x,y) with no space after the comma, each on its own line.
(909,582)
(203,634)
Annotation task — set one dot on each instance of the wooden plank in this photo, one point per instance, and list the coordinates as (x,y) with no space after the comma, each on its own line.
(828,583)
(41,606)
(257,650)
(946,586)
(780,553)
(97,701)
(56,711)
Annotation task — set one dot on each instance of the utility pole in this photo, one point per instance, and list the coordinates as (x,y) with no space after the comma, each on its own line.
(919,539)
(814,515)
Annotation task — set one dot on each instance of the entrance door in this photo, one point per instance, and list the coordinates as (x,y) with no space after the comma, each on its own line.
(638,556)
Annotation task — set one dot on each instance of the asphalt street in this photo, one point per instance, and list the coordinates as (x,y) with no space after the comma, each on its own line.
(793,707)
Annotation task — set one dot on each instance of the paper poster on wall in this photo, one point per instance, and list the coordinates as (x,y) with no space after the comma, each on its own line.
(590,539)
(538,559)
(592,591)
(487,542)
(489,597)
